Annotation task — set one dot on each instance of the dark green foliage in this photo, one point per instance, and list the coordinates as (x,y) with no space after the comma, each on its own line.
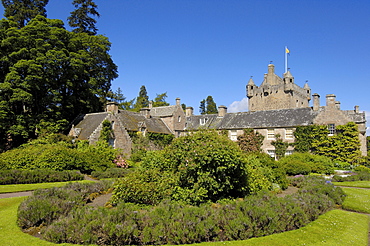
(49,74)
(304,163)
(60,156)
(37,176)
(81,20)
(110,173)
(160,100)
(23,11)
(47,205)
(106,132)
(144,187)
(208,106)
(160,139)
(176,223)
(344,146)
(280,146)
(142,101)
(250,141)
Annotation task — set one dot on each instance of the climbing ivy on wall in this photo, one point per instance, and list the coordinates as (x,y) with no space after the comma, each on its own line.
(250,141)
(280,146)
(106,132)
(342,146)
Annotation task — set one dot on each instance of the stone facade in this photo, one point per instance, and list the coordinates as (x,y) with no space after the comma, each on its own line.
(277,93)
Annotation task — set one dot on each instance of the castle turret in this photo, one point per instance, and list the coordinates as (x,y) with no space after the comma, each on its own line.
(307,88)
(288,81)
(250,88)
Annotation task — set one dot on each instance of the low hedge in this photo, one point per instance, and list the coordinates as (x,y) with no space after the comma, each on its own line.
(110,173)
(20,176)
(177,223)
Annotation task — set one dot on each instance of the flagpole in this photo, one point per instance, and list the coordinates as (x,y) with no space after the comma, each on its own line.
(286,59)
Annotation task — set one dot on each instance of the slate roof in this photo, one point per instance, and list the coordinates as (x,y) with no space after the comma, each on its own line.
(89,123)
(163,111)
(132,120)
(356,117)
(258,119)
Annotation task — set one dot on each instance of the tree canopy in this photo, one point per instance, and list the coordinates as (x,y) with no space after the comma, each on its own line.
(48,73)
(142,101)
(81,19)
(22,11)
(208,106)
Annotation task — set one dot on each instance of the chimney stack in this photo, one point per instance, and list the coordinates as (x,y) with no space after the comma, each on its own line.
(145,112)
(222,110)
(330,100)
(357,109)
(337,105)
(178,101)
(316,102)
(189,111)
(112,107)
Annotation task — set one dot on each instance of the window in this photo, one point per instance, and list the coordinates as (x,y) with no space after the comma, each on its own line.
(179,119)
(270,134)
(203,121)
(289,152)
(289,133)
(271,153)
(233,135)
(331,128)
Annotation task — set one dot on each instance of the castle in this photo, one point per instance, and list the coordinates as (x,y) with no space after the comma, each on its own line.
(277,106)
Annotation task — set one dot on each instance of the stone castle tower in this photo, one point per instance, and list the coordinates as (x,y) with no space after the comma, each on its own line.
(277,93)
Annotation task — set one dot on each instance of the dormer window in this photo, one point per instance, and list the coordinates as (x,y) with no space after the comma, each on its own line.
(203,121)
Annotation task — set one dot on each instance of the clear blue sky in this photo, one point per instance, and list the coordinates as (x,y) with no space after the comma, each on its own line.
(195,48)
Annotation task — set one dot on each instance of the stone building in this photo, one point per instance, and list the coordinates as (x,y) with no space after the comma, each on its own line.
(166,120)
(277,106)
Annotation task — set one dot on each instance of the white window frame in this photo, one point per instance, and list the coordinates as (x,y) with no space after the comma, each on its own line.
(289,133)
(271,153)
(331,129)
(233,135)
(270,133)
(289,152)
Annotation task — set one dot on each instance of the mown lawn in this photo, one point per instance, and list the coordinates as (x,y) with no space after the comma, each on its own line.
(360,184)
(336,227)
(28,187)
(357,200)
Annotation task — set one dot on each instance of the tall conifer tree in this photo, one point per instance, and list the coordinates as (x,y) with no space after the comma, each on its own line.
(81,19)
(24,10)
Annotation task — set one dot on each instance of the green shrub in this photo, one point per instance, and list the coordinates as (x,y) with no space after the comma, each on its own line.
(317,164)
(37,176)
(295,167)
(358,176)
(47,205)
(172,222)
(342,165)
(113,172)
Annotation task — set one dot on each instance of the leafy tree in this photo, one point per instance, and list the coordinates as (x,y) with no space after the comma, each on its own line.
(160,100)
(250,141)
(202,107)
(23,11)
(142,101)
(48,73)
(211,107)
(80,18)
(183,106)
(280,146)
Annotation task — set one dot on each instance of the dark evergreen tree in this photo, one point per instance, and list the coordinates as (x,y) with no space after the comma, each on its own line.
(49,74)
(24,10)
(160,100)
(211,107)
(142,100)
(202,107)
(81,19)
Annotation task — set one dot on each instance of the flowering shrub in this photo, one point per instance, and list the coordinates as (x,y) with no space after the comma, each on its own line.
(120,162)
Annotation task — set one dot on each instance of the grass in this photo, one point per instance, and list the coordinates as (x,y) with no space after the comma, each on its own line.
(357,200)
(360,184)
(28,187)
(336,227)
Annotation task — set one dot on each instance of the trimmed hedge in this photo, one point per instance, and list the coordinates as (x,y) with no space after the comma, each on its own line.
(177,223)
(37,176)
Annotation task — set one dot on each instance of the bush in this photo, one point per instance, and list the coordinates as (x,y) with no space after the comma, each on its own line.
(37,176)
(174,222)
(110,173)
(342,165)
(60,156)
(47,205)
(316,164)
